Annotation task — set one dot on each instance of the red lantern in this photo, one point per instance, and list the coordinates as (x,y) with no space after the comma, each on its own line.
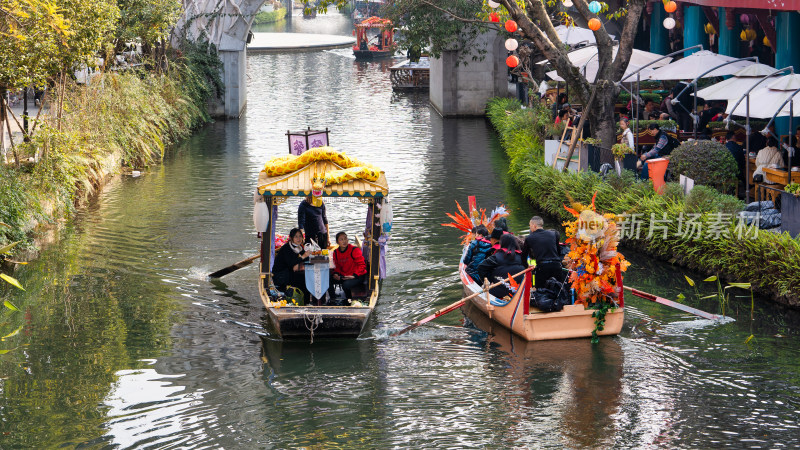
(512,61)
(494,17)
(594,24)
(511,26)
(670,6)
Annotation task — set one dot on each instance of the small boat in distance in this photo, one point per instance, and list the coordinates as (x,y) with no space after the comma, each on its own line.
(374,47)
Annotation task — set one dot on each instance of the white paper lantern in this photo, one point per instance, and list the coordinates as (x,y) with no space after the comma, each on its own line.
(511,44)
(568,3)
(669,23)
(492,4)
(260,216)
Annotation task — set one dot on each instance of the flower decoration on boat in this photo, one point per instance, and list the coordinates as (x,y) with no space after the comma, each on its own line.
(465,222)
(593,258)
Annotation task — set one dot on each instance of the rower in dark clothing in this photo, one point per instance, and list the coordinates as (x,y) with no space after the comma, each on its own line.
(312,221)
(542,246)
(506,261)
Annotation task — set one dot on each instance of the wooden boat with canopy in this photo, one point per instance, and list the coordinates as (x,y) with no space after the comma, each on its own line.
(324,173)
(384,45)
(598,278)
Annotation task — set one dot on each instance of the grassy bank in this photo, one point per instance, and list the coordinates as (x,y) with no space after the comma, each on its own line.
(699,231)
(269,16)
(121,120)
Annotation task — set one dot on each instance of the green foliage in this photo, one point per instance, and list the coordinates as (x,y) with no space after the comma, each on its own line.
(756,125)
(146,20)
(620,150)
(133,115)
(769,261)
(707,162)
(666,125)
(625,97)
(792,188)
(269,16)
(705,199)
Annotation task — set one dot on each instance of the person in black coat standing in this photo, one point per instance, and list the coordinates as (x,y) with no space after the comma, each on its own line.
(542,246)
(288,268)
(313,221)
(504,262)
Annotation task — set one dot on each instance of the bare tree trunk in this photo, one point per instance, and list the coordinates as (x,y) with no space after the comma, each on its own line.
(601,118)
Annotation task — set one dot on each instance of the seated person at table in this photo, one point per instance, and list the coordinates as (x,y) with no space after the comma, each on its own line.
(768,156)
(506,261)
(349,270)
(288,267)
(737,151)
(662,147)
(563,116)
(479,249)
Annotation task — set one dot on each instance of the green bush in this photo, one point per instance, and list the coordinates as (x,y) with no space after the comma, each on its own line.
(269,16)
(625,97)
(706,162)
(705,199)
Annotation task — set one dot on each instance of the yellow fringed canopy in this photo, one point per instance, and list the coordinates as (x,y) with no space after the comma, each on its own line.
(343,175)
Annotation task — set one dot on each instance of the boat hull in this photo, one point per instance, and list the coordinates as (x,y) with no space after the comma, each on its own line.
(291,322)
(574,321)
(368,55)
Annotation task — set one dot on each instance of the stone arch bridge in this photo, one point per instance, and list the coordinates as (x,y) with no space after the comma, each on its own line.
(226,24)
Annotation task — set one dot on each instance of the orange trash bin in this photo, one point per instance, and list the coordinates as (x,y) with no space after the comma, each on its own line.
(656,168)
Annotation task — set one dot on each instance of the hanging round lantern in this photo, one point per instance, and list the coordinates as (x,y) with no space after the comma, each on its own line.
(568,3)
(670,6)
(494,17)
(511,26)
(748,35)
(710,29)
(766,41)
(512,61)
(260,214)
(511,44)
(594,24)
(595,7)
(492,4)
(744,19)
(669,23)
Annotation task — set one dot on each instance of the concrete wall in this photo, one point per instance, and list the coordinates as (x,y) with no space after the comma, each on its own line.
(458,90)
(234,76)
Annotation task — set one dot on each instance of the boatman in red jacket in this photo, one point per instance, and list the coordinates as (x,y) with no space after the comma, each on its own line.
(350,268)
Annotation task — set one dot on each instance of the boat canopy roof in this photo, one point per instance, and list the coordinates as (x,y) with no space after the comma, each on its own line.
(374,22)
(321,169)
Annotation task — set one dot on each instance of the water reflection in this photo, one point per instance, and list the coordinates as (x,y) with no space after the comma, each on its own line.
(579,383)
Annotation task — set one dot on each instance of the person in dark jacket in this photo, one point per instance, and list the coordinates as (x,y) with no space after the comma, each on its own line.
(479,249)
(737,151)
(542,246)
(350,269)
(506,261)
(313,221)
(287,270)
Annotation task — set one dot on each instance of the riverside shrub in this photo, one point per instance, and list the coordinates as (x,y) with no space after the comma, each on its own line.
(768,260)
(706,162)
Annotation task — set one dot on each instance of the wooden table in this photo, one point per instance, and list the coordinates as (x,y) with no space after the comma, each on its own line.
(780,175)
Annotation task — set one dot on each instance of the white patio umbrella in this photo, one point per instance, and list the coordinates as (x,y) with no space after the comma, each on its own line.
(764,101)
(741,81)
(586,58)
(696,64)
(592,67)
(575,35)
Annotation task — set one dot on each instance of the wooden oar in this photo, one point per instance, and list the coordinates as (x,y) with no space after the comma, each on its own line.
(234,267)
(676,305)
(455,305)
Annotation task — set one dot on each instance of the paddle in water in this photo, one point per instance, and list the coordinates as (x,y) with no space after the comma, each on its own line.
(233,267)
(456,305)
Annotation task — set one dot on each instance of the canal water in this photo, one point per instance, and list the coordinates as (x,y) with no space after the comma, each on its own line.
(124,343)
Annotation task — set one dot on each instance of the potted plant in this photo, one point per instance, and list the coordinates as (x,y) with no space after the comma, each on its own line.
(790,208)
(620,151)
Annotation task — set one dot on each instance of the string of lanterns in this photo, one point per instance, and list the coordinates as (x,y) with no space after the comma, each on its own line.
(670,7)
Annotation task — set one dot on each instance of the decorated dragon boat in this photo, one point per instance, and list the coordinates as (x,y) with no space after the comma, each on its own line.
(595,274)
(322,172)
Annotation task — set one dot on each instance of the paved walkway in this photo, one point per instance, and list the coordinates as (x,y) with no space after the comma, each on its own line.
(296,42)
